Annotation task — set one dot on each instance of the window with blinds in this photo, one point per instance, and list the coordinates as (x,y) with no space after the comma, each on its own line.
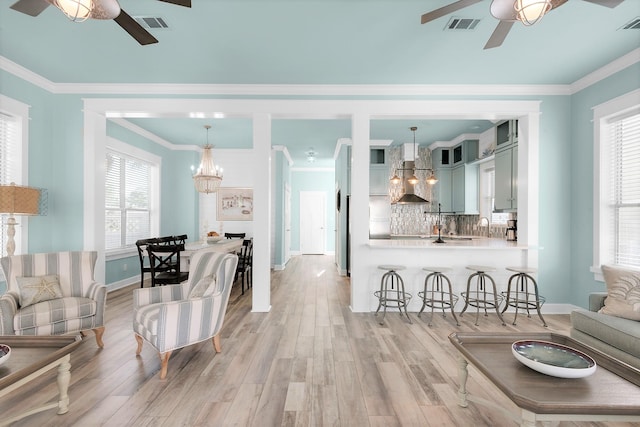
(9,166)
(624,188)
(127,200)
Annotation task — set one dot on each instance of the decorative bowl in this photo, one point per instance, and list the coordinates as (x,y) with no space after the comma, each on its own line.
(553,359)
(214,239)
(5,353)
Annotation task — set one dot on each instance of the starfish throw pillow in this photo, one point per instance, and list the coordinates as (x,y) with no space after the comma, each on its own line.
(38,288)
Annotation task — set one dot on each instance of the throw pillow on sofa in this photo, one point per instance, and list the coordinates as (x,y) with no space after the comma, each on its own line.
(623,292)
(203,288)
(38,289)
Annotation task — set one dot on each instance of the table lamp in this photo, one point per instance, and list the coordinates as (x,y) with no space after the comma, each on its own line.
(19,200)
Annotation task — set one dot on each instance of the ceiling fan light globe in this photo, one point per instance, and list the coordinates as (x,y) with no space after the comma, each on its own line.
(76,10)
(531,11)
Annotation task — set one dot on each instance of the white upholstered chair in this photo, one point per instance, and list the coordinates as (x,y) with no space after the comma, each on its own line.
(52,294)
(175,316)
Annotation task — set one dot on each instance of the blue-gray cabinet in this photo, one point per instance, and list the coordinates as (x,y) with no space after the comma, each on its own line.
(506,179)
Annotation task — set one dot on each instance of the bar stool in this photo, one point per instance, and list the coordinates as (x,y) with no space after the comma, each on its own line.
(435,295)
(479,297)
(389,296)
(522,298)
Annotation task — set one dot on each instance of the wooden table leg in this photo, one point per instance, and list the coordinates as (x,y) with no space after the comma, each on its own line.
(463,373)
(64,376)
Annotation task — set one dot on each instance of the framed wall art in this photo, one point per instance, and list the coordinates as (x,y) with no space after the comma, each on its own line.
(235,204)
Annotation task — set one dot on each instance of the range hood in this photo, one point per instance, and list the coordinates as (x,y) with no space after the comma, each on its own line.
(409,196)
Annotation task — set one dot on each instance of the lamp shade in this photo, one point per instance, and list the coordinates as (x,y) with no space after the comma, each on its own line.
(19,200)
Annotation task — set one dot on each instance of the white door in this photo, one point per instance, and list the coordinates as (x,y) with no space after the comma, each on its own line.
(287,224)
(312,222)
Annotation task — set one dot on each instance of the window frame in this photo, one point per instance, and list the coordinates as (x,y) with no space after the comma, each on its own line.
(20,111)
(626,104)
(114,145)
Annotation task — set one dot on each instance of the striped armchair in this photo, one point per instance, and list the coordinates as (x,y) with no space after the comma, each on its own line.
(78,304)
(175,316)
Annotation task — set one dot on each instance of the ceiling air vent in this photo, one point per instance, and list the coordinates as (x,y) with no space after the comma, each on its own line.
(634,24)
(152,22)
(461,24)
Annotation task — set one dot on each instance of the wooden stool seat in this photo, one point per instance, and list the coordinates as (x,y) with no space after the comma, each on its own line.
(437,269)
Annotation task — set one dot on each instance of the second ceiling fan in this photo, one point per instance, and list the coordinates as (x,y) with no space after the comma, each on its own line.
(505,12)
(79,10)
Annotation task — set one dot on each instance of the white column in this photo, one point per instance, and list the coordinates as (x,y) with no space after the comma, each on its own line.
(359,211)
(260,167)
(95,134)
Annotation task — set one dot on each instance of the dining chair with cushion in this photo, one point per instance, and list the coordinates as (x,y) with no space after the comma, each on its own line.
(164,262)
(52,294)
(176,316)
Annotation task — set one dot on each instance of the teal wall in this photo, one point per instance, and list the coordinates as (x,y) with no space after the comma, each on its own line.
(581,191)
(312,180)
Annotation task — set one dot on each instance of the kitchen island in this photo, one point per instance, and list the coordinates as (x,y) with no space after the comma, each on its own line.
(457,252)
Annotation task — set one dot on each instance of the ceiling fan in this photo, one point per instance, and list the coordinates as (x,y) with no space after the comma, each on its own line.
(79,10)
(505,11)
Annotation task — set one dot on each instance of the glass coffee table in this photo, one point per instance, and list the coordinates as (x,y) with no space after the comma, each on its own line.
(612,393)
(32,356)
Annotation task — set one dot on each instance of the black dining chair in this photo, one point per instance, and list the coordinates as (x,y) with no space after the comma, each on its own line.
(164,260)
(235,235)
(245,264)
(145,266)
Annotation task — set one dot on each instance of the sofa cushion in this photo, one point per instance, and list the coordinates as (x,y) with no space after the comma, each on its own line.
(623,292)
(621,333)
(53,311)
(38,289)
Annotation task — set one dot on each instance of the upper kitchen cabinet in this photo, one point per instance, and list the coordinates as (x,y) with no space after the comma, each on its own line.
(378,171)
(465,152)
(464,189)
(441,157)
(506,134)
(506,180)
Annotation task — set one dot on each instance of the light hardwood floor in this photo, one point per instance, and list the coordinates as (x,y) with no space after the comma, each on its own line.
(309,362)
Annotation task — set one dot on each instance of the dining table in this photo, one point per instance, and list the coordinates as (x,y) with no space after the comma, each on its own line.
(224,245)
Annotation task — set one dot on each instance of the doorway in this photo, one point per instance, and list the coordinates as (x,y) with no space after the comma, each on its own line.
(312,222)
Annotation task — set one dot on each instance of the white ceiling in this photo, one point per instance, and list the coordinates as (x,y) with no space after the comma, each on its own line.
(306,42)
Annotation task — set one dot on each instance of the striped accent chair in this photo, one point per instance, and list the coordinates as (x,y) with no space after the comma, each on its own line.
(80,308)
(175,316)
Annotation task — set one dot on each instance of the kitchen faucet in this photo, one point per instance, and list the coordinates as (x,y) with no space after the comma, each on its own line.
(488,225)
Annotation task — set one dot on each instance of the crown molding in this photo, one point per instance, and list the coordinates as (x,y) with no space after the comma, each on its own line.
(152,136)
(319,90)
(285,152)
(608,70)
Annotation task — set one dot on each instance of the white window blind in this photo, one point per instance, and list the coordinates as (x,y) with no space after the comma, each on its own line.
(127,200)
(624,191)
(9,167)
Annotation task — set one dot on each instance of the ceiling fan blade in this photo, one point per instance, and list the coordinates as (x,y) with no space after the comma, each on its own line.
(30,7)
(185,3)
(134,29)
(445,10)
(607,3)
(499,34)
